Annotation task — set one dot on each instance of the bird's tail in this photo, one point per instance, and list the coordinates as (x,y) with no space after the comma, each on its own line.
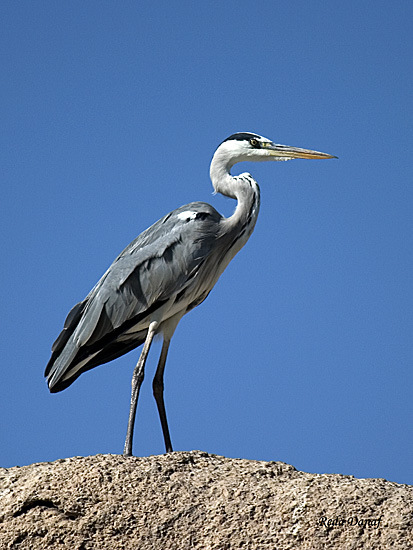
(64,352)
(71,356)
(61,370)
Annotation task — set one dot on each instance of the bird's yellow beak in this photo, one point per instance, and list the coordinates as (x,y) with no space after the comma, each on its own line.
(285,152)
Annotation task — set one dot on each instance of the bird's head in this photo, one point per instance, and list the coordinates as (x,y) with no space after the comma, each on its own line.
(245,146)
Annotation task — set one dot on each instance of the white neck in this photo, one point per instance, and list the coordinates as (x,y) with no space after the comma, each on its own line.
(243,188)
(219,172)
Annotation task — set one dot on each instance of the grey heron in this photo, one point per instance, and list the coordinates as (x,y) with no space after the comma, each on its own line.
(164,273)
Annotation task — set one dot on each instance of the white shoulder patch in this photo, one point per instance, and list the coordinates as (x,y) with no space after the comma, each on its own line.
(187,215)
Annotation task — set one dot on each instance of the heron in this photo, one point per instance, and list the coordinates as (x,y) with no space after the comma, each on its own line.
(167,271)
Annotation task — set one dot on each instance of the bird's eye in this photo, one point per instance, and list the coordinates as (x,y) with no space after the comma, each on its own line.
(254,142)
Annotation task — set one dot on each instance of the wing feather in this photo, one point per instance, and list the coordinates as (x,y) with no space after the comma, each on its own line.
(151,270)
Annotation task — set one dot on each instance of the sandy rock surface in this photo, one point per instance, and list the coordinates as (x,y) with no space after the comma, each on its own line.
(188,500)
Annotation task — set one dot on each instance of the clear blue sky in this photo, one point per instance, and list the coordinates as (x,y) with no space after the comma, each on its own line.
(110,113)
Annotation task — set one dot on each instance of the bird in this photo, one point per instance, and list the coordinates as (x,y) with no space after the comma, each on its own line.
(164,273)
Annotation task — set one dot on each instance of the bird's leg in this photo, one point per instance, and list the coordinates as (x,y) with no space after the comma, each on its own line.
(157,386)
(137,379)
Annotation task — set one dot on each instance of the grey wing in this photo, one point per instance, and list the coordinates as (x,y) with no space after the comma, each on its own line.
(151,271)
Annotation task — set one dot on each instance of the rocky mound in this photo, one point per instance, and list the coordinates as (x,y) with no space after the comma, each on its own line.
(192,500)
